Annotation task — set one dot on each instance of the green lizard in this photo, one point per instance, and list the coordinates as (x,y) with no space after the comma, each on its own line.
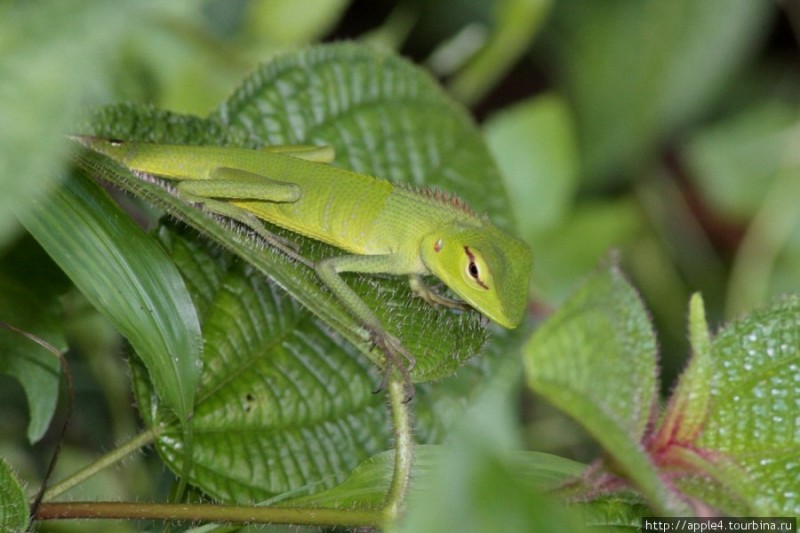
(386,228)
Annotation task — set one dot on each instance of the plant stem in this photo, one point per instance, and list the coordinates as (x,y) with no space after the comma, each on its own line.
(114,456)
(403,450)
(387,513)
(209,513)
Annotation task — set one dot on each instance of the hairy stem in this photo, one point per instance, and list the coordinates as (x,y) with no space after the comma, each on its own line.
(114,456)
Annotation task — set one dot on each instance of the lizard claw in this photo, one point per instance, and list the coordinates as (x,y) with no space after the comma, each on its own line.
(397,358)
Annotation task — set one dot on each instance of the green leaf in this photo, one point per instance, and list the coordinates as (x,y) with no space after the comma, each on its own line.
(383,115)
(751,432)
(535,145)
(284,405)
(479,481)
(474,489)
(287,22)
(600,335)
(636,70)
(595,358)
(14,513)
(516,23)
(689,403)
(129,278)
(735,161)
(64,44)
(36,369)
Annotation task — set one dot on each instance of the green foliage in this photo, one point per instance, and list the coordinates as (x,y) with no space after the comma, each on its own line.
(635,71)
(14,513)
(602,334)
(748,435)
(284,405)
(130,280)
(36,369)
(726,440)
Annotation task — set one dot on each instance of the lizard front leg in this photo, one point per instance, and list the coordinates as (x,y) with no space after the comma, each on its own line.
(397,357)
(421,290)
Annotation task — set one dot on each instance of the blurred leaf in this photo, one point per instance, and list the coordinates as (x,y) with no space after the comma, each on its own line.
(750,439)
(563,255)
(129,279)
(534,144)
(735,161)
(480,483)
(747,171)
(14,513)
(368,483)
(515,24)
(480,480)
(475,490)
(636,70)
(595,359)
(770,250)
(54,57)
(288,22)
(36,369)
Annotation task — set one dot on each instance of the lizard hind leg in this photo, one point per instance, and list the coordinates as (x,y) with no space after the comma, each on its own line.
(318,154)
(188,191)
(227,185)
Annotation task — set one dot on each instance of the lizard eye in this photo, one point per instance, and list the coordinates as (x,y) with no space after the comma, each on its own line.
(473,268)
(473,271)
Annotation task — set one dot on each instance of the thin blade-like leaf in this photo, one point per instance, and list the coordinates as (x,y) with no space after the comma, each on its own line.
(129,278)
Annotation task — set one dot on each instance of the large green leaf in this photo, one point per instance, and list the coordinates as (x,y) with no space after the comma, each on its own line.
(284,403)
(126,276)
(750,439)
(595,359)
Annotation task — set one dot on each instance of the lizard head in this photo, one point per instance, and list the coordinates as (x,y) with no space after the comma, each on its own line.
(486,267)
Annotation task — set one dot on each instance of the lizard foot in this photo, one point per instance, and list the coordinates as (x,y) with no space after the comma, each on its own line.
(432,296)
(397,359)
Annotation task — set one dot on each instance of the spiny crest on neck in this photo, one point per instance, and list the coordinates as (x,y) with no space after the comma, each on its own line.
(437,195)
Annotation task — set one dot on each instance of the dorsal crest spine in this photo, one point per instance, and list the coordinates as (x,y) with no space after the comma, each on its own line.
(440,196)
